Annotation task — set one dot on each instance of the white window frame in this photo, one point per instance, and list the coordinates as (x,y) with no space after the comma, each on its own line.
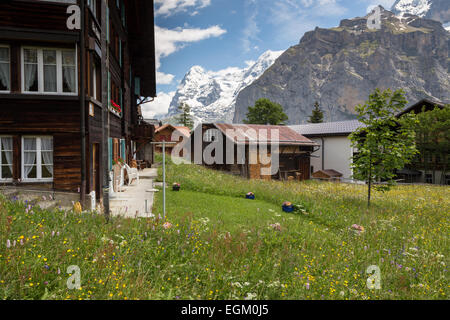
(40,71)
(9,49)
(1,178)
(92,5)
(38,160)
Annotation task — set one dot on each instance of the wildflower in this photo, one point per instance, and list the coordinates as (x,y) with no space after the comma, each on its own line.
(276,226)
(307,286)
(359,229)
(8,243)
(250,296)
(167,225)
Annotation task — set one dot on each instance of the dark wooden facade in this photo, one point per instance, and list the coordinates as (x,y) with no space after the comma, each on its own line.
(294,152)
(41,24)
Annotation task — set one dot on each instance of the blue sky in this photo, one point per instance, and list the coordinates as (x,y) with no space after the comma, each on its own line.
(217,34)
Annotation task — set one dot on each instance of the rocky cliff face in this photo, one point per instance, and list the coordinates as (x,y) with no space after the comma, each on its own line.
(340,67)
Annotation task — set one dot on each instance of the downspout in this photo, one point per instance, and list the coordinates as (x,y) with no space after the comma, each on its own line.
(83,101)
(105,113)
(323,153)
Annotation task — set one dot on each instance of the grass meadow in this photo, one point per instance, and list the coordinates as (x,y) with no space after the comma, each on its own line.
(215,244)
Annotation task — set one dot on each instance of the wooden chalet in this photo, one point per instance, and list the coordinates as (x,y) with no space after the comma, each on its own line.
(69,93)
(294,150)
(165,133)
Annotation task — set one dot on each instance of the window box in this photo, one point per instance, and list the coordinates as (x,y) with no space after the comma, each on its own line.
(115,108)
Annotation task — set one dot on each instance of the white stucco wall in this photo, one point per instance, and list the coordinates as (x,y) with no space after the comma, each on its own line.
(338,153)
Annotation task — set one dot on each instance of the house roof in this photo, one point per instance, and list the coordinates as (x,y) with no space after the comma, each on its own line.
(250,132)
(183,130)
(427,103)
(327,128)
(329,172)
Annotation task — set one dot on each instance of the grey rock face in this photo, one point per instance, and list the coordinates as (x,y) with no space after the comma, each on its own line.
(340,67)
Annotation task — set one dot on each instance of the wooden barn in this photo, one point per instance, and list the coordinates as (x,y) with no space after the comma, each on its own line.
(71,75)
(245,142)
(165,133)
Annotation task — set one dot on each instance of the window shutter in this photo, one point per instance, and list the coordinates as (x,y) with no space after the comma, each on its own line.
(109,89)
(137,86)
(120,53)
(122,151)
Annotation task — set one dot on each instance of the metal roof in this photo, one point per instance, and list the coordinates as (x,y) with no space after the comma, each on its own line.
(183,130)
(327,128)
(243,133)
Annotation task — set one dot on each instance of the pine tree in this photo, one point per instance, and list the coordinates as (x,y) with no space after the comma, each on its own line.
(317,114)
(184,117)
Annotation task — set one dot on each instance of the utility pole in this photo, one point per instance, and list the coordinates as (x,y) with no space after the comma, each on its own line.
(164,178)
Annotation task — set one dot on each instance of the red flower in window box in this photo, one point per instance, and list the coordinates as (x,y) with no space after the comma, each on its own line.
(116,106)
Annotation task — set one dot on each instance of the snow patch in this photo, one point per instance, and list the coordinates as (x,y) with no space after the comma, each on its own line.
(212,94)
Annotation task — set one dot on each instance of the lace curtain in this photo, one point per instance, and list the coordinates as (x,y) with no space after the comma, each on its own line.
(7,147)
(4,68)
(29,155)
(47,154)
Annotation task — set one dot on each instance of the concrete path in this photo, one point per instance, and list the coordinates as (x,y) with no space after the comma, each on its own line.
(136,200)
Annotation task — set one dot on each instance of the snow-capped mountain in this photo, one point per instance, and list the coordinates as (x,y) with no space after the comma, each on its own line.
(438,10)
(212,94)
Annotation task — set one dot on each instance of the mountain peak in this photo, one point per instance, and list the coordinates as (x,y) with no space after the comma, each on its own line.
(339,67)
(438,10)
(212,94)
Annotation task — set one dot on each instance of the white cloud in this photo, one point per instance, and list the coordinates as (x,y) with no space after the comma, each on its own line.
(250,33)
(292,18)
(169,41)
(387,4)
(251,29)
(169,7)
(157,107)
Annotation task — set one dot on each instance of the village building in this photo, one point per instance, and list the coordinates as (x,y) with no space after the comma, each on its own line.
(244,146)
(166,133)
(336,152)
(428,167)
(328,175)
(71,75)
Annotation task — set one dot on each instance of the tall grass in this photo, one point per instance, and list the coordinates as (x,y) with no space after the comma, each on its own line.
(215,244)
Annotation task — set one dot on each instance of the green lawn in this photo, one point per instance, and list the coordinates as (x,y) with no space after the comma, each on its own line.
(215,244)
